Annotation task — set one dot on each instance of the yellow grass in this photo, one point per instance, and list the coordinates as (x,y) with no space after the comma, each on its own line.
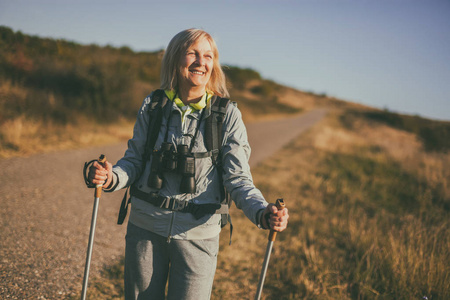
(338,251)
(22,137)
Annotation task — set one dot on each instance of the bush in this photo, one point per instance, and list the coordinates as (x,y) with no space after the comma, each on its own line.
(239,77)
(434,134)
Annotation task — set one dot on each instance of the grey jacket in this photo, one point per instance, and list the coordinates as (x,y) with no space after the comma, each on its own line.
(236,176)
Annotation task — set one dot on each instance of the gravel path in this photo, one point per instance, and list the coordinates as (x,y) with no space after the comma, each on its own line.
(46,214)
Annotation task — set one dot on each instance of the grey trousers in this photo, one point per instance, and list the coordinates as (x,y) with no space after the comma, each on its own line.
(189,266)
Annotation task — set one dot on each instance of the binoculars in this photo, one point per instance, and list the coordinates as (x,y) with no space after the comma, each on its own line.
(168,160)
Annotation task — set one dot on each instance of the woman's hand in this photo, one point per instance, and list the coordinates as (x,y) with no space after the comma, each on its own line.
(278,219)
(101,173)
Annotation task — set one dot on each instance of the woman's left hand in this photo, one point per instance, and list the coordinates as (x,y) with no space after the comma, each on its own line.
(278,219)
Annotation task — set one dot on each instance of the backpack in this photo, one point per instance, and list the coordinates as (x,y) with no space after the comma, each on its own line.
(212,139)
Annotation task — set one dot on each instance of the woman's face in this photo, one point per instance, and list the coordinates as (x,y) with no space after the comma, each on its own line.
(196,65)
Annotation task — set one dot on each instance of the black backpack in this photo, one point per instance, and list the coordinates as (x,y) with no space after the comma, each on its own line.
(213,139)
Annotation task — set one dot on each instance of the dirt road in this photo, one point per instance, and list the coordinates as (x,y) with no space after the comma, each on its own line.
(46,213)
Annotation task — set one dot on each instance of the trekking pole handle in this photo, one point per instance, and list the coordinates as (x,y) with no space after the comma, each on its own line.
(98,187)
(280,205)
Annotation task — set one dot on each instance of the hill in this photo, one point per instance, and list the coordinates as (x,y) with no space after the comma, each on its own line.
(59,94)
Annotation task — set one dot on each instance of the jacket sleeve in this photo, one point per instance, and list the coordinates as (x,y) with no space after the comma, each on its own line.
(236,170)
(129,168)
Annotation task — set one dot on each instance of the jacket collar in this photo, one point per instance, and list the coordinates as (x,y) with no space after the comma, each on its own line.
(205,102)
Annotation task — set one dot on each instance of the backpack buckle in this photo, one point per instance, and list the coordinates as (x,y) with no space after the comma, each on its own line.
(174,204)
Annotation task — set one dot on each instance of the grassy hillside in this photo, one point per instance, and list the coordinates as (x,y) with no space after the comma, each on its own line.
(60,94)
(435,135)
(370,212)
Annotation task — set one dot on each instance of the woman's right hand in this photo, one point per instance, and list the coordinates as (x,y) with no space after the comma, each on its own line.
(100,173)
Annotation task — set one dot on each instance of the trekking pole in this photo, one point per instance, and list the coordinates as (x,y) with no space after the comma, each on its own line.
(97,194)
(272,235)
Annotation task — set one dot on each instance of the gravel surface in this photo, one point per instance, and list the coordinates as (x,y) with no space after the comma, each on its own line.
(46,214)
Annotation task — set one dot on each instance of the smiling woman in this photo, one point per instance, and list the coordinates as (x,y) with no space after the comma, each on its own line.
(177,181)
(190,51)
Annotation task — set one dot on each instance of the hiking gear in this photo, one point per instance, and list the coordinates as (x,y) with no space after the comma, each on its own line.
(147,260)
(86,167)
(97,194)
(197,210)
(131,169)
(164,159)
(186,166)
(272,235)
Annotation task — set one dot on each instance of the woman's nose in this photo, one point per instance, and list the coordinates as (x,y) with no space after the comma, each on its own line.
(200,60)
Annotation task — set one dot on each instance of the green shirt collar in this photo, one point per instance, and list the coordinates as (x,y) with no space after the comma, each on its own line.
(196,106)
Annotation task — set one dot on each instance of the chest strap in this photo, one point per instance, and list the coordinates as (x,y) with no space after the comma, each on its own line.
(197,210)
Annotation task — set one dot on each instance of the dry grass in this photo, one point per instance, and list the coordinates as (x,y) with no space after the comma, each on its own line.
(22,137)
(345,241)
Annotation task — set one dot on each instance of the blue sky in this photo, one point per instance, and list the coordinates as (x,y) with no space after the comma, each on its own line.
(391,54)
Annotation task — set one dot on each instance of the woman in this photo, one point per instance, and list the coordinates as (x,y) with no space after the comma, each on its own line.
(164,244)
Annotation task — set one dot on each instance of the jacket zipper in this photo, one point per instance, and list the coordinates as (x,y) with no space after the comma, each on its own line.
(170,228)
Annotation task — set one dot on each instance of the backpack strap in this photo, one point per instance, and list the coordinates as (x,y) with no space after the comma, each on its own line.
(157,104)
(213,143)
(214,124)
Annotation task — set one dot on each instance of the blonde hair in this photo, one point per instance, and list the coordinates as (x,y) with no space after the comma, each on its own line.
(177,47)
